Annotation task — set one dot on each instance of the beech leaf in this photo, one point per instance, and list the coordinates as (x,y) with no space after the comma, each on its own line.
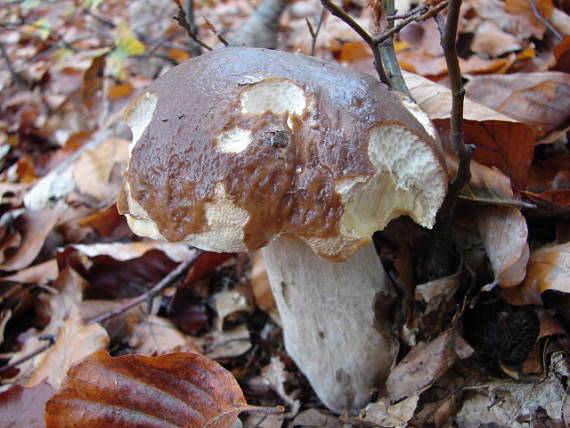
(548,269)
(173,390)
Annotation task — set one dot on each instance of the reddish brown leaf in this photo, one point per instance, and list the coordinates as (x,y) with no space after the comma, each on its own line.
(562,55)
(500,140)
(24,407)
(541,100)
(174,390)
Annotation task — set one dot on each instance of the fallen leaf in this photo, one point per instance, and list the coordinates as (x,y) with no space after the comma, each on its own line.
(227,344)
(74,342)
(157,336)
(24,407)
(317,419)
(548,269)
(92,171)
(511,403)
(524,11)
(425,363)
(33,228)
(260,286)
(500,141)
(504,232)
(491,41)
(383,414)
(227,302)
(182,390)
(539,99)
(562,55)
(276,375)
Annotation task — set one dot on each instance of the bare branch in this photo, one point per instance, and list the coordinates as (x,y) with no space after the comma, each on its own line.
(315,32)
(167,281)
(51,340)
(544,21)
(219,35)
(183,22)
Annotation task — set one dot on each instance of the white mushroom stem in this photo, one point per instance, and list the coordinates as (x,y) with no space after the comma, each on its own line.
(329,312)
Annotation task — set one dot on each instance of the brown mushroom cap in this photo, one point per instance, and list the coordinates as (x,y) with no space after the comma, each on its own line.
(240,145)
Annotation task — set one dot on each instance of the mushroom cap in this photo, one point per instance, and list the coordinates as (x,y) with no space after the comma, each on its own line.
(240,145)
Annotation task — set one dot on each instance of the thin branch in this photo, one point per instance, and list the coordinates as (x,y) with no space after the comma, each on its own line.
(219,35)
(167,281)
(341,14)
(421,13)
(181,19)
(18,79)
(449,46)
(315,32)
(195,49)
(365,35)
(388,55)
(544,21)
(51,340)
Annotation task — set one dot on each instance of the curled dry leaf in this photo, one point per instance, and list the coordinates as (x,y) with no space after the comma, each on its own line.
(33,228)
(548,269)
(425,363)
(524,12)
(382,414)
(504,233)
(541,99)
(500,141)
(182,390)
(156,336)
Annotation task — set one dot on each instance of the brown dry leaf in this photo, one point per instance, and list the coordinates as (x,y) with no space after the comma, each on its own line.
(562,55)
(487,185)
(504,233)
(182,390)
(317,419)
(557,192)
(425,363)
(33,227)
(493,42)
(24,407)
(74,342)
(523,10)
(228,302)
(540,99)
(501,141)
(548,269)
(276,376)
(158,336)
(382,414)
(227,344)
(93,169)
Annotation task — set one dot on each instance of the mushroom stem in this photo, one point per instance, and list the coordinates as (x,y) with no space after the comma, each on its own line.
(332,318)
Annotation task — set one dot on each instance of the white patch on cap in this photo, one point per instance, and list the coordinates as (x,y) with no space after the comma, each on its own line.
(409,180)
(275,95)
(139,114)
(233,141)
(226,222)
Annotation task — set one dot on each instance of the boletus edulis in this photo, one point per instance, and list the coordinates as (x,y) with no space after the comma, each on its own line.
(243,149)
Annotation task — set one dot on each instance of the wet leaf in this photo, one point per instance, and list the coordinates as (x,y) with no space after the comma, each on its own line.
(182,390)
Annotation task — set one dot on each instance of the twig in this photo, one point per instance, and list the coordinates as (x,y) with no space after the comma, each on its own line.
(365,35)
(51,340)
(219,35)
(421,13)
(388,55)
(167,281)
(18,79)
(195,49)
(315,32)
(544,21)
(448,43)
(181,19)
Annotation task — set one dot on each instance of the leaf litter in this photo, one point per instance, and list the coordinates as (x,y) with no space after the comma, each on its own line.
(66,255)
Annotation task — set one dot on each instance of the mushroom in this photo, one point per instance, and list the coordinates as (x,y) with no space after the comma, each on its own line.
(244,148)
